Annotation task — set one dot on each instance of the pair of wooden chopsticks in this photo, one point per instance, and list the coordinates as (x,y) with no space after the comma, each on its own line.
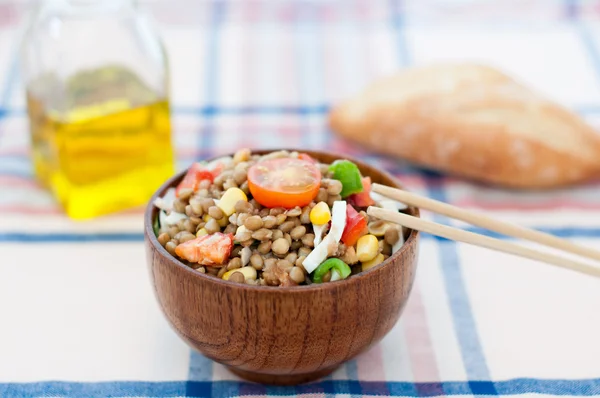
(483,221)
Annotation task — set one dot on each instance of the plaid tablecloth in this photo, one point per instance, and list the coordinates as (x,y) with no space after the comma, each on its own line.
(78,317)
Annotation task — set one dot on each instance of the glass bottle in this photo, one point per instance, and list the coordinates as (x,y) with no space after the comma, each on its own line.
(97,87)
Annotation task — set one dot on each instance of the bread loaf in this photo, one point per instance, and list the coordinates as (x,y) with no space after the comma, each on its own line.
(472,121)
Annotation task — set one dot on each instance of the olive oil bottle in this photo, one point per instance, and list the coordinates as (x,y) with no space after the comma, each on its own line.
(101,132)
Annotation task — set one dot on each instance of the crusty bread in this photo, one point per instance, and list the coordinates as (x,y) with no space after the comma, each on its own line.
(472,121)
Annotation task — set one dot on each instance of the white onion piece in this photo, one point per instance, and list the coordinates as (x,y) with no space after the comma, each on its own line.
(319,229)
(380,200)
(166,202)
(393,205)
(335,276)
(171,219)
(321,251)
(245,255)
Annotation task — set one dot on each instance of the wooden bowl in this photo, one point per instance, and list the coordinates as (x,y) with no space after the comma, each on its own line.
(276,335)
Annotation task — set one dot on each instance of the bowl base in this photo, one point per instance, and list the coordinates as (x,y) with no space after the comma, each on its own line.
(281,380)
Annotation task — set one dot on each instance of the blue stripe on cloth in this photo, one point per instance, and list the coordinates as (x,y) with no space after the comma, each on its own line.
(218,389)
(201,367)
(10,79)
(464,321)
(68,237)
(571,9)
(298,110)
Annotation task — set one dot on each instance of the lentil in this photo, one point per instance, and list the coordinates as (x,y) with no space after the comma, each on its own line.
(281,219)
(277,234)
(212,226)
(391,236)
(297,244)
(206,204)
(179,205)
(305,216)
(241,218)
(304,251)
(237,277)
(215,212)
(334,187)
(221,272)
(322,196)
(262,234)
(298,232)
(230,229)
(284,264)
(196,205)
(230,183)
(195,220)
(253,223)
(280,246)
(172,231)
(269,221)
(241,206)
(170,246)
(292,257)
(264,247)
(256,261)
(234,263)
(333,198)
(189,226)
(275,211)
(164,238)
(308,240)
(287,226)
(244,187)
(297,275)
(240,176)
(295,212)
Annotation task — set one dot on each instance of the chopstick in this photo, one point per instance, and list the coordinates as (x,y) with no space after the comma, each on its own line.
(479,240)
(483,221)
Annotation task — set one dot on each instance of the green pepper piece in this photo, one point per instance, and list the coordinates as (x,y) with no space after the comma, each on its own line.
(348,174)
(332,263)
(156,226)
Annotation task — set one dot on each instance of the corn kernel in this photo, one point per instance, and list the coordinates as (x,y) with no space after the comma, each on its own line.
(201,232)
(320,214)
(206,217)
(248,272)
(223,222)
(229,199)
(367,248)
(370,264)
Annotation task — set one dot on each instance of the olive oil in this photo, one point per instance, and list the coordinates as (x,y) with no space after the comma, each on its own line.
(104,145)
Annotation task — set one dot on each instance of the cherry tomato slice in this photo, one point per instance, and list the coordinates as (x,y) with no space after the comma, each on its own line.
(362,199)
(356,226)
(196,173)
(285,182)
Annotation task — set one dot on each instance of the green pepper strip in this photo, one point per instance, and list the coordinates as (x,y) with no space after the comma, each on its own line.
(156,226)
(348,174)
(332,263)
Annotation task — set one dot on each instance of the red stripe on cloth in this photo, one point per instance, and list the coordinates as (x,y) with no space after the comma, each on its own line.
(420,349)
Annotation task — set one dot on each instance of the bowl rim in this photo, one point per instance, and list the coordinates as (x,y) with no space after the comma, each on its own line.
(151,239)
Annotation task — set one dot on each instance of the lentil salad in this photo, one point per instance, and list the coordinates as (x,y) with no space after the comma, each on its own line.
(279,219)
